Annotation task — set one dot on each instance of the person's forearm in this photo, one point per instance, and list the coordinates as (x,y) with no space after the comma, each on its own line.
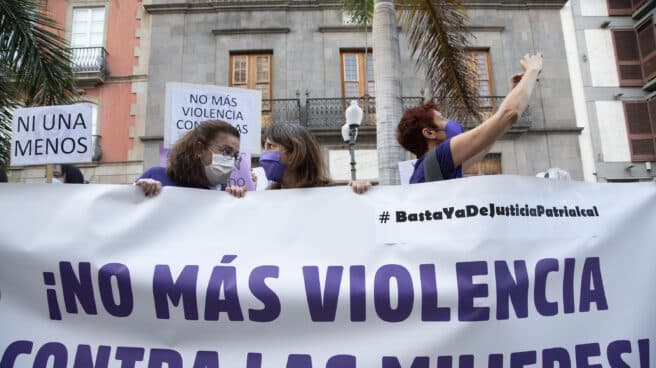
(517,100)
(467,145)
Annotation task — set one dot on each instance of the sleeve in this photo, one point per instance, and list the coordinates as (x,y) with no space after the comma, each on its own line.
(445,159)
(148,174)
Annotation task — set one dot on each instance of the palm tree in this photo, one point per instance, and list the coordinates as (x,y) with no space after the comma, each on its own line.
(35,63)
(436,34)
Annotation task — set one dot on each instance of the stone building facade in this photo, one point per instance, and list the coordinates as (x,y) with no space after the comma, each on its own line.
(611,50)
(309,60)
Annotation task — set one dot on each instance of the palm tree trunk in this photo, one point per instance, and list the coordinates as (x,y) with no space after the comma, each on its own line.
(389,106)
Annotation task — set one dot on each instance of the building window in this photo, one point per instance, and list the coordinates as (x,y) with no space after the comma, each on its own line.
(623,7)
(490,165)
(619,7)
(87,39)
(357,76)
(628,57)
(253,71)
(635,51)
(640,119)
(480,60)
(88,27)
(647,45)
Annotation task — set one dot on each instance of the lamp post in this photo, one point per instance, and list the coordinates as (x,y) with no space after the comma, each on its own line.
(350,130)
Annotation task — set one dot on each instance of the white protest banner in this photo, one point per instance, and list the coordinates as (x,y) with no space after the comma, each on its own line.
(51,134)
(492,272)
(187,105)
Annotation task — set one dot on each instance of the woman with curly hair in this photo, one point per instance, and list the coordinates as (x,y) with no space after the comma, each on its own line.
(203,158)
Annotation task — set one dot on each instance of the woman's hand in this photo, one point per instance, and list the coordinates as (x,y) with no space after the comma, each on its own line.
(150,187)
(532,62)
(237,192)
(360,186)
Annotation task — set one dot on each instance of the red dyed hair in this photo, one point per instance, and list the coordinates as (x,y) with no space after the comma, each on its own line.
(408,132)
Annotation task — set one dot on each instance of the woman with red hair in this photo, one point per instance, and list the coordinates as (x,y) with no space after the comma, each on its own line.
(424,130)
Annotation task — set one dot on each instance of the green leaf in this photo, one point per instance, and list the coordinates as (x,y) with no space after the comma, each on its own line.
(35,63)
(438,38)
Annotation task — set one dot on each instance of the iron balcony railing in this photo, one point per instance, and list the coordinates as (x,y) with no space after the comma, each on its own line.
(90,60)
(329,112)
(281,111)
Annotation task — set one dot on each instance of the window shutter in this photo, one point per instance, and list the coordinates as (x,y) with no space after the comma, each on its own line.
(628,57)
(638,3)
(652,114)
(647,43)
(639,129)
(620,7)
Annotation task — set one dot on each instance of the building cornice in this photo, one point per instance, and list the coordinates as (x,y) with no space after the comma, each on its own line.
(342,29)
(241,31)
(514,4)
(291,5)
(230,5)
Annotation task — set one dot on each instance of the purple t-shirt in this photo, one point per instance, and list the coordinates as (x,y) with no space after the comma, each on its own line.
(158,173)
(443,152)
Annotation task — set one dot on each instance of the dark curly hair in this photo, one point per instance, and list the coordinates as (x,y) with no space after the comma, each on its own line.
(185,166)
(409,131)
(72,174)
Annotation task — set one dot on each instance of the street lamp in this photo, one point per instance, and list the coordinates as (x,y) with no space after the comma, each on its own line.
(350,131)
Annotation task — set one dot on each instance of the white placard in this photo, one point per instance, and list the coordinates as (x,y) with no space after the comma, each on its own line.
(52,135)
(405,170)
(187,105)
(262,182)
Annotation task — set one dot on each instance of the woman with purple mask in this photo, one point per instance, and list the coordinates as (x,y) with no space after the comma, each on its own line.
(291,158)
(443,147)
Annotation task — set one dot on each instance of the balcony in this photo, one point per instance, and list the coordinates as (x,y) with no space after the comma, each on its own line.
(90,65)
(322,113)
(327,114)
(281,111)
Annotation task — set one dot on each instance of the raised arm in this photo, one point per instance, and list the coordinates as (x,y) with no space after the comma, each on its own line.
(514,81)
(467,145)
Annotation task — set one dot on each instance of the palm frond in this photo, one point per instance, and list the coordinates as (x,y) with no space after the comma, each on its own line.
(39,59)
(437,37)
(35,63)
(361,11)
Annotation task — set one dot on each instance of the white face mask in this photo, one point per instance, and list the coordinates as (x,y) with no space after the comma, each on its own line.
(218,172)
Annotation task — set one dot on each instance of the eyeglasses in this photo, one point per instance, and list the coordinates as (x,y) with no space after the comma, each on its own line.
(225,150)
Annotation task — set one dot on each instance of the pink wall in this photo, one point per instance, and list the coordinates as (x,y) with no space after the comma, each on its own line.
(115,96)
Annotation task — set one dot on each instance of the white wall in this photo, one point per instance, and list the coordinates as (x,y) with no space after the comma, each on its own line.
(593,8)
(366,164)
(601,58)
(612,129)
(578,92)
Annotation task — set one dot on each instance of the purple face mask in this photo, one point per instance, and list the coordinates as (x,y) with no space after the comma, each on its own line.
(273,168)
(452,129)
